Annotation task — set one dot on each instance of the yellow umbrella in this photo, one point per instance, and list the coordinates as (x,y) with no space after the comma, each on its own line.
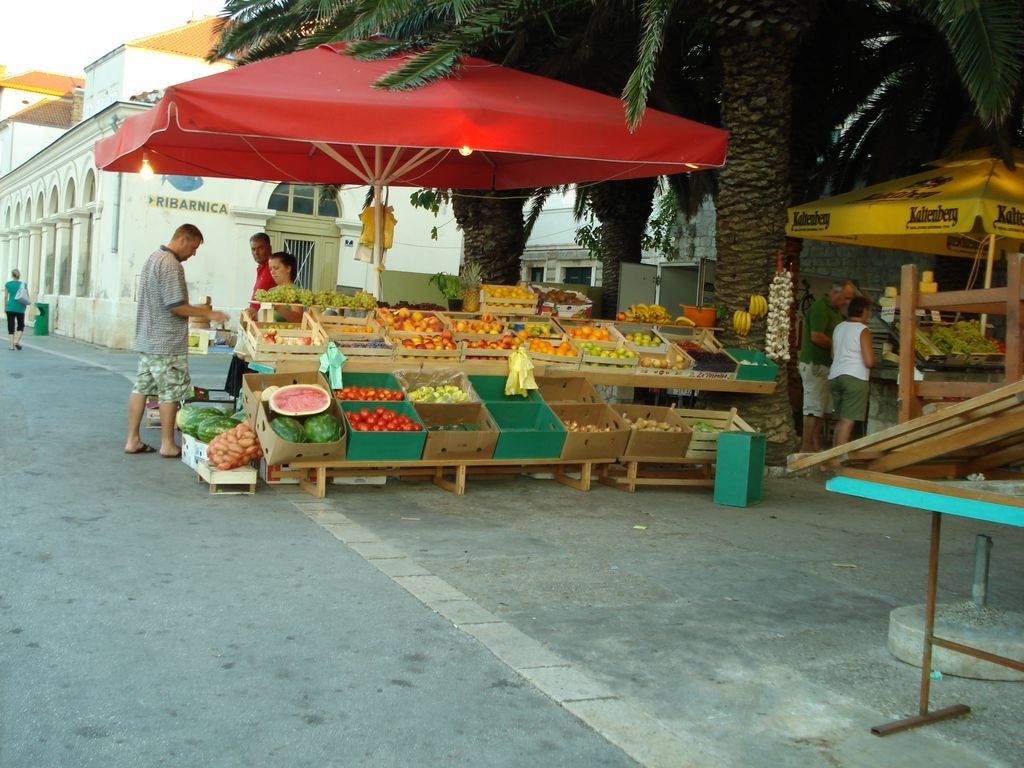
(960,208)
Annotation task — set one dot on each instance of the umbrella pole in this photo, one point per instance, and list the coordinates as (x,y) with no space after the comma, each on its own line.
(378,220)
(988,278)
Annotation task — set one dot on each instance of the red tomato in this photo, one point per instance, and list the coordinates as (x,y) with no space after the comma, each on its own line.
(377,428)
(364,412)
(380,409)
(417,427)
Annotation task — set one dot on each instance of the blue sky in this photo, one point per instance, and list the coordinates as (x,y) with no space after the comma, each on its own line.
(81,32)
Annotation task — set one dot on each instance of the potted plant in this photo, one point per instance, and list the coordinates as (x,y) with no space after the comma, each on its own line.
(469,283)
(450,287)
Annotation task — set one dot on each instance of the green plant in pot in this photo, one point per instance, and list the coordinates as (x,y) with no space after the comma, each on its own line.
(450,287)
(469,285)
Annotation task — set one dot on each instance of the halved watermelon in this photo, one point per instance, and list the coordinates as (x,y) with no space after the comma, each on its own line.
(299,400)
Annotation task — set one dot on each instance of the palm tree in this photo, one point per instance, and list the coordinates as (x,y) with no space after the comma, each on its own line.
(756,42)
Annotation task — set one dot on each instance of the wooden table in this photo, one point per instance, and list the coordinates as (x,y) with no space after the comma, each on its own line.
(438,471)
(481,368)
(939,500)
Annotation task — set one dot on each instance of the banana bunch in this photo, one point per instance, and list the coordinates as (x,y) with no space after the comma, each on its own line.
(649,313)
(758,307)
(741,321)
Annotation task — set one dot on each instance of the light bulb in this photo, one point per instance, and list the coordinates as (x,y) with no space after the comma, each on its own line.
(146,171)
(465,150)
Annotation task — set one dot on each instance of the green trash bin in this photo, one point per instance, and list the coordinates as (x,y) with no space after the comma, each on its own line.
(739,469)
(42,323)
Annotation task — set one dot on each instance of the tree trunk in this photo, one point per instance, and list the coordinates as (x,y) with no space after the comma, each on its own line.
(752,201)
(492,228)
(623,208)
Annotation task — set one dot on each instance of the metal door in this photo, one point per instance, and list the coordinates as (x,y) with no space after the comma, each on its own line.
(303,251)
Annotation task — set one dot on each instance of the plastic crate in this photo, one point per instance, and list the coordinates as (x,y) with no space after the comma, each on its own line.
(491,389)
(375,380)
(754,365)
(368,446)
(527,431)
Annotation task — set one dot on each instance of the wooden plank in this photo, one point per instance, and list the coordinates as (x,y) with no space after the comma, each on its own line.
(1012,366)
(946,389)
(991,301)
(1005,397)
(934,447)
(928,495)
(998,458)
(909,406)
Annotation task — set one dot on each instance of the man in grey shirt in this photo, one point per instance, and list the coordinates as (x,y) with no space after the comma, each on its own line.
(161,338)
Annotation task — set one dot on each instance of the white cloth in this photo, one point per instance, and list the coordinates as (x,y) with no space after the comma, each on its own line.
(847,358)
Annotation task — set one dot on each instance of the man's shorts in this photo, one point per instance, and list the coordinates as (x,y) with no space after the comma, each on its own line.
(815,379)
(849,397)
(165,376)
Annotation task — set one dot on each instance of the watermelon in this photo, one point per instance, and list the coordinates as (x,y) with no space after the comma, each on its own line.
(322,428)
(299,400)
(191,416)
(240,416)
(289,429)
(213,426)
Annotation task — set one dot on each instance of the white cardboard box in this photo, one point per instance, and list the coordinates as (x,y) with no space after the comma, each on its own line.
(192,451)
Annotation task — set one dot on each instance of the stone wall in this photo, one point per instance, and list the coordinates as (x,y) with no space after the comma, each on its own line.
(871,269)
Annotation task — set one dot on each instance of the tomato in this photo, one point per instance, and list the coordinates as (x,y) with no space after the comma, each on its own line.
(380,409)
(377,428)
(364,412)
(417,427)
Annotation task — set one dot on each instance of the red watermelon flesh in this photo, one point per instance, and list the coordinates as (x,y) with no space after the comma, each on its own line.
(299,400)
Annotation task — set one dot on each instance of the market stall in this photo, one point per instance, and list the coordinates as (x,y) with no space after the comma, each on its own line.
(443,377)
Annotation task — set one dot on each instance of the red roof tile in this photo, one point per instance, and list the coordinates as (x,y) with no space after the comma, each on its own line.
(196,38)
(38,81)
(57,113)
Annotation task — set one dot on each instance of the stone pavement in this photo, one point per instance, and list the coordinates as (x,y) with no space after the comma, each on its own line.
(144,622)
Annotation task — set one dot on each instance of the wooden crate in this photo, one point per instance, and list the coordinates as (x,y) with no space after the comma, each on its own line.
(502,306)
(339,329)
(395,319)
(661,347)
(562,362)
(263,349)
(228,481)
(596,362)
(674,363)
(570,326)
(704,444)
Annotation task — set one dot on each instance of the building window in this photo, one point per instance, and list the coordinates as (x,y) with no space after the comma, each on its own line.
(305,200)
(578,275)
(536,274)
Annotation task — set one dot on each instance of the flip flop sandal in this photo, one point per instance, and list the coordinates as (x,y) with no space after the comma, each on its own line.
(144,449)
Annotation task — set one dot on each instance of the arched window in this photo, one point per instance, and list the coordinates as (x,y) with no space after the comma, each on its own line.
(305,200)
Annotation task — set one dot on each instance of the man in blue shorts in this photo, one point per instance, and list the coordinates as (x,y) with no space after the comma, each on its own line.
(161,338)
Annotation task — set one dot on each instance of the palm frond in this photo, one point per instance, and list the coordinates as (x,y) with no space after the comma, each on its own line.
(985,39)
(654,14)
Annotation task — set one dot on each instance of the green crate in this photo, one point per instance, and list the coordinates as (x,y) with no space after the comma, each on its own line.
(375,380)
(739,471)
(491,389)
(527,431)
(765,370)
(368,446)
